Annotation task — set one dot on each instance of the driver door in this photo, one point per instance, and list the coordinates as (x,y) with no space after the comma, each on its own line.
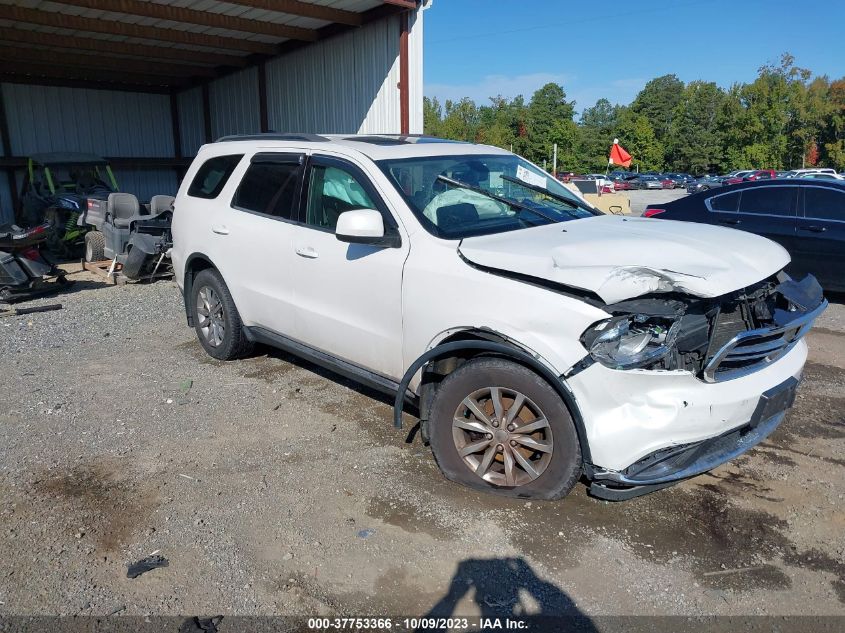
(348,296)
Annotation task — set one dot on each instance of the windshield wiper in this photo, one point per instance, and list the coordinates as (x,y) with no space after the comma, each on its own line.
(513,204)
(570,201)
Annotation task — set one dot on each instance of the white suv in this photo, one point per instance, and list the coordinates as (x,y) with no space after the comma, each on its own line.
(539,339)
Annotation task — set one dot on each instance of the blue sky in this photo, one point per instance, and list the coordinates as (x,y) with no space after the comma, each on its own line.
(482,48)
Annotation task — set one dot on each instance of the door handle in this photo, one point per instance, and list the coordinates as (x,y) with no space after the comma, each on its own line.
(220,230)
(815,228)
(731,221)
(307,252)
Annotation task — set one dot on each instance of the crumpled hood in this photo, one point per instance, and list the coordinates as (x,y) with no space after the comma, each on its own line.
(620,258)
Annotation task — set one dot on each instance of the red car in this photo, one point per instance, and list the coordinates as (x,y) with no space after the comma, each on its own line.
(667,183)
(750,176)
(623,185)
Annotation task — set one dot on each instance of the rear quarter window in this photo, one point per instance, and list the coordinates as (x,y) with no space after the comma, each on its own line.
(726,202)
(213,175)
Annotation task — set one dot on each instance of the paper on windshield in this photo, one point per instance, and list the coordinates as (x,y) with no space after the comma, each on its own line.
(528,176)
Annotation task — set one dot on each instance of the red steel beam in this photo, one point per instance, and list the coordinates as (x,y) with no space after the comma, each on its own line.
(304,9)
(112,27)
(192,16)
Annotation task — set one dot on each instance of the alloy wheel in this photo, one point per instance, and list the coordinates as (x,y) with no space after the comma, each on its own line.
(502,436)
(212,322)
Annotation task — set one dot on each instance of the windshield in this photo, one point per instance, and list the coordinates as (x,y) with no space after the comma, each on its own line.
(458,196)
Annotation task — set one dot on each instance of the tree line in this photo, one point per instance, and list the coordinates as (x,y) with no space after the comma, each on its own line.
(784,119)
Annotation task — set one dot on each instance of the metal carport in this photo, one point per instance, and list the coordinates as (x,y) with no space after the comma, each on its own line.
(146,82)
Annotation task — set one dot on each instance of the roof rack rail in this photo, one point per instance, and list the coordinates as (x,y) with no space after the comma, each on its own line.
(273,136)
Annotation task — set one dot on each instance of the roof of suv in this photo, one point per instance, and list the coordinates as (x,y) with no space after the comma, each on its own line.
(374,146)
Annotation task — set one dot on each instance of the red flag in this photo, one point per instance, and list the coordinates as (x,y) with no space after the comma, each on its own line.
(618,155)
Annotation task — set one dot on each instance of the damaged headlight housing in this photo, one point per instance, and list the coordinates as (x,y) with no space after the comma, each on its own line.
(631,341)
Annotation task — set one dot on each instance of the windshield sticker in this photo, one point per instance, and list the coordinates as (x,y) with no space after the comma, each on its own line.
(530,177)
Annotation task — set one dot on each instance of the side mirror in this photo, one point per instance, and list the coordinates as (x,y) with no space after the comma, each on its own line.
(360,226)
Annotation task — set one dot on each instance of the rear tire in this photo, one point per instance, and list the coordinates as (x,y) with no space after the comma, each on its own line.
(95,246)
(498,427)
(216,319)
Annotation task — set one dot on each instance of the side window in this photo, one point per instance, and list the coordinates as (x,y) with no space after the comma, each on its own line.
(270,187)
(824,204)
(332,191)
(212,176)
(725,202)
(767,201)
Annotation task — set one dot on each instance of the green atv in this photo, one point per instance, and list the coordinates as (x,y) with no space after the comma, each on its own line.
(57,189)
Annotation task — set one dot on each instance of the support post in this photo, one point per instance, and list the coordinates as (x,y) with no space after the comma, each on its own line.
(404,75)
(6,147)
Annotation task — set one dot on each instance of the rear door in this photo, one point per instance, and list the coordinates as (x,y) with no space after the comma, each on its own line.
(255,238)
(820,243)
(769,211)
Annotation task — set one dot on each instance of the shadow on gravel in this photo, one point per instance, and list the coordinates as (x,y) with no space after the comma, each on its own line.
(509,587)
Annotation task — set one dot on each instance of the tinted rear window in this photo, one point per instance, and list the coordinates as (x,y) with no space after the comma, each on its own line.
(823,203)
(725,202)
(767,200)
(212,176)
(270,188)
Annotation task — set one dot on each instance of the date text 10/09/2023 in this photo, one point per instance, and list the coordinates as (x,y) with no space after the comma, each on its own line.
(417,624)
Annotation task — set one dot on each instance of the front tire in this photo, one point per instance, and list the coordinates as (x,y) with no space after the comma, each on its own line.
(95,246)
(216,319)
(498,427)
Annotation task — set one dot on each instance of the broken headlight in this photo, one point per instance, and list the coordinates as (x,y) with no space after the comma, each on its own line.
(631,341)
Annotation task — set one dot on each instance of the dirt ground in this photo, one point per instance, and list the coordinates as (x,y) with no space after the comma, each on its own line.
(274,487)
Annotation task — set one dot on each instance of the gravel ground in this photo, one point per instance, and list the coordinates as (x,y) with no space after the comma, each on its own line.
(273,487)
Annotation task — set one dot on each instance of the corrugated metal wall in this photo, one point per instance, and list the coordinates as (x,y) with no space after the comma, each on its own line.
(191,121)
(344,84)
(234,104)
(104,122)
(109,122)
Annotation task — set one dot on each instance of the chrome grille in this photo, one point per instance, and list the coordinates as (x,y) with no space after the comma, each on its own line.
(750,350)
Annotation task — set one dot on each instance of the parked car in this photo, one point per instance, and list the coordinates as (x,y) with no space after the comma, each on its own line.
(680,180)
(737,177)
(667,183)
(647,181)
(704,184)
(623,185)
(796,173)
(541,340)
(822,176)
(804,215)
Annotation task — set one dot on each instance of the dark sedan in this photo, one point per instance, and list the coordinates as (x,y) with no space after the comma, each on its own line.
(704,184)
(807,217)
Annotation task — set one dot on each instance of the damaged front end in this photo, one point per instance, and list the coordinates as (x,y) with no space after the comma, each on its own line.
(715,339)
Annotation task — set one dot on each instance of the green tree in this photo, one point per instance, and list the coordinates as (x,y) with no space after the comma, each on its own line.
(695,141)
(596,128)
(460,120)
(550,121)
(636,135)
(658,102)
(432,116)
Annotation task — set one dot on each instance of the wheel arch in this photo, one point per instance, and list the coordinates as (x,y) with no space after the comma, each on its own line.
(195,263)
(470,343)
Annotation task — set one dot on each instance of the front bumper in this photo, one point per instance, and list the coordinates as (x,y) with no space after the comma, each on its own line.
(681,462)
(634,414)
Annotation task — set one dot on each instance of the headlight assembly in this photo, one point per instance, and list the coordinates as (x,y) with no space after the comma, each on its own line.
(629,342)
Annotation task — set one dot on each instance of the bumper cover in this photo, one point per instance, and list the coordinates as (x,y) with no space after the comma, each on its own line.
(681,462)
